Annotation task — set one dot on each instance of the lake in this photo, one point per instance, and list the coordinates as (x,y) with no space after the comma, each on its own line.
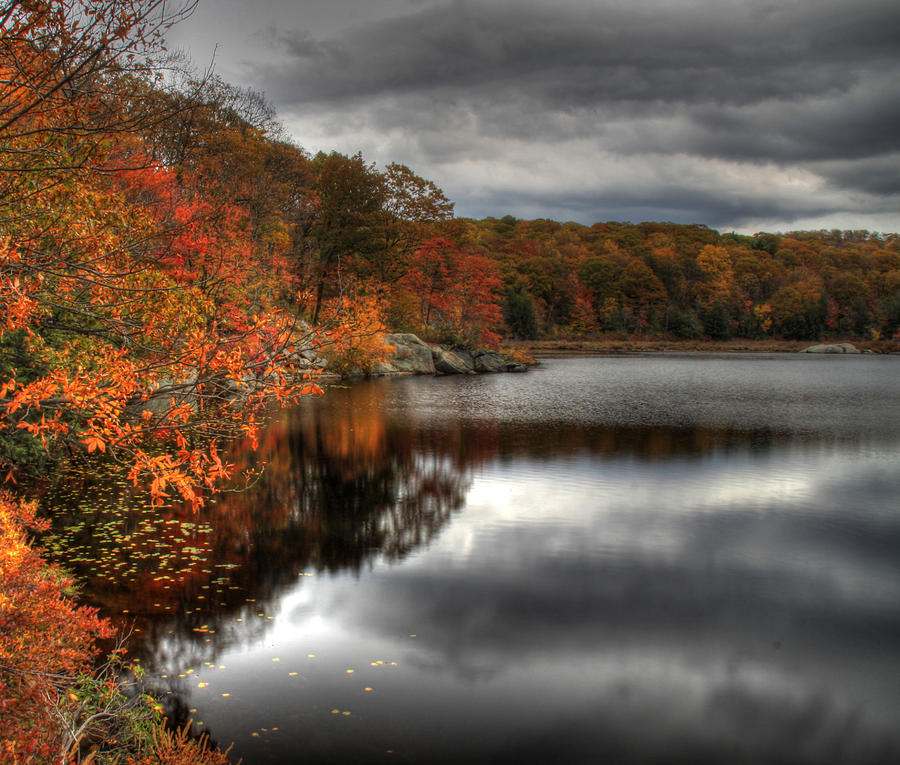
(631,559)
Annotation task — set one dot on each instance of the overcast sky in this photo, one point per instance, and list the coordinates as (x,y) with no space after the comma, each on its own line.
(743,115)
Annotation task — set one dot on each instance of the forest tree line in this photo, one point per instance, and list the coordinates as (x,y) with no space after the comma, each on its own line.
(385,241)
(689,281)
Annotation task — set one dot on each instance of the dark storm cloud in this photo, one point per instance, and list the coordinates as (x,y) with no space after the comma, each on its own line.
(575,57)
(807,86)
(684,204)
(876,175)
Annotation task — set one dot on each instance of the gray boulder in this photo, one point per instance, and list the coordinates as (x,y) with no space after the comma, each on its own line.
(832,348)
(308,360)
(467,358)
(447,362)
(385,368)
(411,355)
(161,395)
(489,361)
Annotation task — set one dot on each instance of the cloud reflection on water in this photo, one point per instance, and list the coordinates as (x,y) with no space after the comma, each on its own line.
(729,643)
(580,588)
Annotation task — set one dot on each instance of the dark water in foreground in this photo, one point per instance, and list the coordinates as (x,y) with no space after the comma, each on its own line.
(666,559)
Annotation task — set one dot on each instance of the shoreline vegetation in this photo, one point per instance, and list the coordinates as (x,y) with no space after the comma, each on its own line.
(172,263)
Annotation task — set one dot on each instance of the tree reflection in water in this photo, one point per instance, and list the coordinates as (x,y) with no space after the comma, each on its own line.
(341,483)
(346,479)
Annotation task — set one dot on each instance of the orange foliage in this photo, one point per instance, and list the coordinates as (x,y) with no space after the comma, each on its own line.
(43,639)
(143,318)
(456,291)
(354,342)
(169,748)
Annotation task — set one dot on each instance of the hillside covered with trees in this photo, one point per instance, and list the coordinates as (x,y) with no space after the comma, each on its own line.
(690,281)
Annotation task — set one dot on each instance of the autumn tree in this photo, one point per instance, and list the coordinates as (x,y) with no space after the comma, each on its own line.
(847,307)
(42,636)
(518,313)
(644,295)
(128,329)
(410,206)
(456,293)
(346,217)
(601,276)
(797,311)
(225,146)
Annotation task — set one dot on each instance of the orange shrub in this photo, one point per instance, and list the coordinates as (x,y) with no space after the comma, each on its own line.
(44,638)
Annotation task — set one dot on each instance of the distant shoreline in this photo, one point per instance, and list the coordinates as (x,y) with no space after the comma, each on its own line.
(538,348)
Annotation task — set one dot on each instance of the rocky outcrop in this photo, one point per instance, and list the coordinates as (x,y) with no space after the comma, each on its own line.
(447,362)
(411,356)
(832,348)
(487,362)
(467,358)
(307,360)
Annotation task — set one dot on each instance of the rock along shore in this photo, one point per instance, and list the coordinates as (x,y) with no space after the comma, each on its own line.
(413,356)
(832,348)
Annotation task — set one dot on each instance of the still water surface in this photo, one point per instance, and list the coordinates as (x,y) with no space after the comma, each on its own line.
(666,559)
